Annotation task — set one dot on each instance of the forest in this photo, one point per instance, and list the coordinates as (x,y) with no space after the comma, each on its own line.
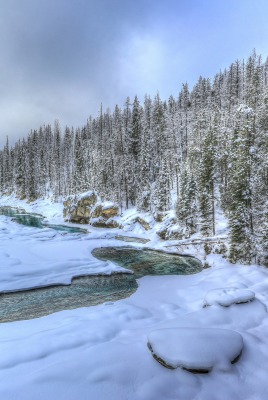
(207,148)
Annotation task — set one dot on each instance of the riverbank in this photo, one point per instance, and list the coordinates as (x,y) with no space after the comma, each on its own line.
(101,351)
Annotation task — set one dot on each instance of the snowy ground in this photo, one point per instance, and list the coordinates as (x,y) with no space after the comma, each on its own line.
(101,352)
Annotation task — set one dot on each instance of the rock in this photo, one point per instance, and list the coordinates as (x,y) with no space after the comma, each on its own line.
(227,296)
(143,223)
(159,216)
(87,207)
(89,200)
(82,210)
(170,233)
(78,209)
(98,222)
(131,239)
(96,213)
(109,212)
(163,234)
(197,350)
(175,235)
(112,224)
(67,202)
(102,223)
(104,212)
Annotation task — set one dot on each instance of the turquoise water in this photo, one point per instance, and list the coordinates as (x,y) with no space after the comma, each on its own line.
(28,220)
(10,211)
(149,262)
(83,292)
(36,220)
(92,290)
(65,228)
(89,290)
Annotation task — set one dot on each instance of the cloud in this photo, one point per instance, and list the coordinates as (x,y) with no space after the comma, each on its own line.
(59,59)
(140,64)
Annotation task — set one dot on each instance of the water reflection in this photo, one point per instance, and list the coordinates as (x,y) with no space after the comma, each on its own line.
(149,262)
(83,292)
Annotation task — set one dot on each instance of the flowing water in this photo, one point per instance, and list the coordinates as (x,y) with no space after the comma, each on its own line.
(36,220)
(83,292)
(149,262)
(90,290)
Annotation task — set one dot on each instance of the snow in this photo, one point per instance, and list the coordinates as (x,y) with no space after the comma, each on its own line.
(32,257)
(83,195)
(196,349)
(101,352)
(244,109)
(53,211)
(228,296)
(108,204)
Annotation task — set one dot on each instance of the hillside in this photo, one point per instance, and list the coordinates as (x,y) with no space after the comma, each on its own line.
(202,151)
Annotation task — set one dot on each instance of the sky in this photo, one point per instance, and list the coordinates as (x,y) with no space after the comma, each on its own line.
(60,59)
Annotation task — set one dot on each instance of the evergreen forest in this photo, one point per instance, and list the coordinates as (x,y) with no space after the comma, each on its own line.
(207,148)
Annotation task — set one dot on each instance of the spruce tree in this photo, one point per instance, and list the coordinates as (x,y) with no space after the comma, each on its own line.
(186,206)
(242,242)
(206,184)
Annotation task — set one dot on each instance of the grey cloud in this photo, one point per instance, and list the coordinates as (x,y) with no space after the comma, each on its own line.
(62,58)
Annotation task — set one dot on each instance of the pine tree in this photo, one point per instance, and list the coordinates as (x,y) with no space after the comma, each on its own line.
(206,185)
(242,247)
(144,184)
(77,183)
(57,160)
(161,194)
(186,206)
(20,173)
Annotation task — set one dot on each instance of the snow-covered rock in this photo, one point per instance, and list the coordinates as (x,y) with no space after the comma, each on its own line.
(78,208)
(196,349)
(227,296)
(88,208)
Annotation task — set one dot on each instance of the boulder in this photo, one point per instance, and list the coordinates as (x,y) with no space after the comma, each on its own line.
(102,223)
(143,223)
(89,199)
(171,232)
(225,297)
(96,212)
(197,350)
(159,216)
(86,209)
(78,209)
(109,212)
(163,234)
(104,212)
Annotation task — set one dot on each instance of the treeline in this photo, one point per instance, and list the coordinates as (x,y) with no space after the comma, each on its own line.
(208,147)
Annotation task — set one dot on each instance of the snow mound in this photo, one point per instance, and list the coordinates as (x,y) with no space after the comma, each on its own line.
(196,350)
(227,296)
